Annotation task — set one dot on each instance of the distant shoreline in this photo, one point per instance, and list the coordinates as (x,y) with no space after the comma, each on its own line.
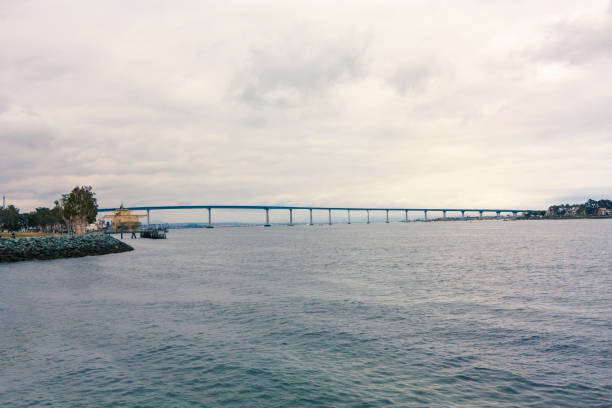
(604,217)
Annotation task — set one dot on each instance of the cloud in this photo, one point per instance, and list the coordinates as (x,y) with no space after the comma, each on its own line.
(578,41)
(411,78)
(408,104)
(288,72)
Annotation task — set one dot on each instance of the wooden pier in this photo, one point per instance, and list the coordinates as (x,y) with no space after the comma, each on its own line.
(151,233)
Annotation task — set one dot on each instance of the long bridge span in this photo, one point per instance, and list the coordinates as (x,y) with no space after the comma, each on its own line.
(268,208)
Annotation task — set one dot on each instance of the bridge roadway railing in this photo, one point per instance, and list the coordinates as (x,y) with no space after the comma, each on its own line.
(267,209)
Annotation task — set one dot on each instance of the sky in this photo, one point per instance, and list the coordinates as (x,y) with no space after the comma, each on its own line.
(348,103)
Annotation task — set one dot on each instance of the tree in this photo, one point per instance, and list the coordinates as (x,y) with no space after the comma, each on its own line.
(57,214)
(591,207)
(78,208)
(43,219)
(605,203)
(30,220)
(10,218)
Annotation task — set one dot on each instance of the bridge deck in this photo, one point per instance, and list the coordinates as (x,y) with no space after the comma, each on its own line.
(277,207)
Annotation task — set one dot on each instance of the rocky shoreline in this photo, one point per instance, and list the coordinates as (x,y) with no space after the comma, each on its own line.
(69,246)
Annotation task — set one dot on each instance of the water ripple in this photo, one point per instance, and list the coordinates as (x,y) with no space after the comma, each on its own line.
(438,314)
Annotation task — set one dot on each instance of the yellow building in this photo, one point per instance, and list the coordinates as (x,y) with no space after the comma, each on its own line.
(123,219)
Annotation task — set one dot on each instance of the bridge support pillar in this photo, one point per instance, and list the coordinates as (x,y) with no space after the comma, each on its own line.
(310,210)
(291,217)
(463,214)
(425,211)
(267,224)
(148,219)
(209,219)
(368,213)
(329,211)
(444,214)
(406,215)
(481,214)
(348,213)
(515,213)
(387,220)
(498,214)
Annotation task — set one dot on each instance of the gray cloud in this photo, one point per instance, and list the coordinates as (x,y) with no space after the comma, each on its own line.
(411,78)
(578,42)
(371,104)
(286,73)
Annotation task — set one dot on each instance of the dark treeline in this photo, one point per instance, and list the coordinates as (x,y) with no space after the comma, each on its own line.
(72,213)
(42,219)
(590,208)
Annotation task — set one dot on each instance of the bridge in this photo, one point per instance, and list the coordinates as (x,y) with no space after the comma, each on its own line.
(268,208)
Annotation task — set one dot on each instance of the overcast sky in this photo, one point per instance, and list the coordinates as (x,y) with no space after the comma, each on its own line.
(374,103)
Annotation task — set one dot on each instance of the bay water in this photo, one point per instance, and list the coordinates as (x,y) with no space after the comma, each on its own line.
(439,314)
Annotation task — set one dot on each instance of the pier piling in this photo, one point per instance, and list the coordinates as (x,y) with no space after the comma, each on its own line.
(209,219)
(267,224)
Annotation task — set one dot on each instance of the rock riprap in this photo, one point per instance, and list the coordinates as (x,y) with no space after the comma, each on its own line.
(68,246)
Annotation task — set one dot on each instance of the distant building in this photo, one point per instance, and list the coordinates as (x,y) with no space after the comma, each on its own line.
(556,211)
(604,211)
(123,220)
